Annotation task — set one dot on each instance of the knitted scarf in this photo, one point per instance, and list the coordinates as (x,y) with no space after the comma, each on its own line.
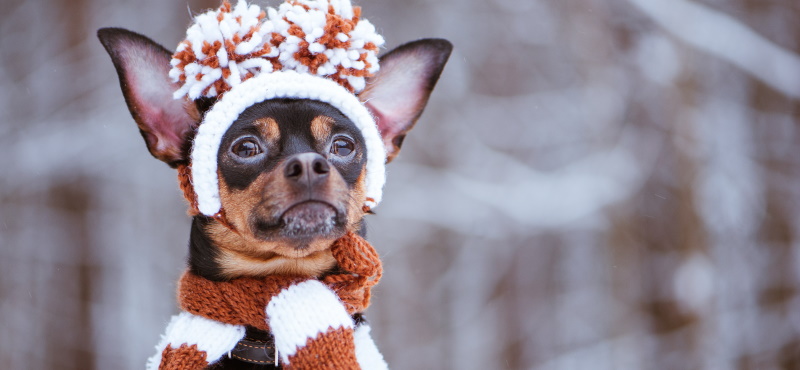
(309,319)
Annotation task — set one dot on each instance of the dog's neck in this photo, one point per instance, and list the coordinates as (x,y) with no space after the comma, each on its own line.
(241,301)
(217,254)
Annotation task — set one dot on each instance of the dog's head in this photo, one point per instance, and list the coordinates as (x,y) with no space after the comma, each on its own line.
(291,173)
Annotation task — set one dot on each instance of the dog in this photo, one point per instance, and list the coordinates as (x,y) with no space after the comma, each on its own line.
(291,172)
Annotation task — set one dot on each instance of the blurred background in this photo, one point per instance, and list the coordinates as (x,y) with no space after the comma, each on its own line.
(594,185)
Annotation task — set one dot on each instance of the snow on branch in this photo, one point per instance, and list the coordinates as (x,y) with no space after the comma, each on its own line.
(729,39)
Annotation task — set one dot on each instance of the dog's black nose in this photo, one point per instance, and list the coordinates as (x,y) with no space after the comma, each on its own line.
(306,168)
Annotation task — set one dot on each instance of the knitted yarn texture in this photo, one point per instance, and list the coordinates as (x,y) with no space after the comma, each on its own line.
(309,319)
(242,301)
(305,49)
(223,48)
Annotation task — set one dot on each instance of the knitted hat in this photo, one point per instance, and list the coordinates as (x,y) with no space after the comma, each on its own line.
(306,49)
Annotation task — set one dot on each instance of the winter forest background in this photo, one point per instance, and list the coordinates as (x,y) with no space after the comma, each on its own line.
(594,185)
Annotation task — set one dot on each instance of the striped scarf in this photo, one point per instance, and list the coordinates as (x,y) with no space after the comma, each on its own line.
(309,319)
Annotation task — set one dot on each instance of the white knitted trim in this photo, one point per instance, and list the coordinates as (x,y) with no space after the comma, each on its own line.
(367,354)
(286,84)
(212,337)
(301,312)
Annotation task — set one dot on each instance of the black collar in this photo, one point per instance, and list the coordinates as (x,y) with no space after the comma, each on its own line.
(258,346)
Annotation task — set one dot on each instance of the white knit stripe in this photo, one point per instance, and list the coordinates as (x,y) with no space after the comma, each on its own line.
(301,312)
(367,354)
(212,337)
(287,84)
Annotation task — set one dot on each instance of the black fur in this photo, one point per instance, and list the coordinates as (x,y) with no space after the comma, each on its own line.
(202,251)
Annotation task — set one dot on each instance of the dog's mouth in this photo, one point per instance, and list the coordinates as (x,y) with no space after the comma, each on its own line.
(302,221)
(311,218)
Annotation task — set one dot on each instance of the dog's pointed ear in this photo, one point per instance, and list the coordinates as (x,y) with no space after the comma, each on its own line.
(143,67)
(398,93)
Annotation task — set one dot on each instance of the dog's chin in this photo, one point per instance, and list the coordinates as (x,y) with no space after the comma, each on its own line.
(301,225)
(308,220)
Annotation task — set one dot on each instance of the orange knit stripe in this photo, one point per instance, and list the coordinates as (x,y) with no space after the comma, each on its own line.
(185,181)
(363,265)
(334,349)
(237,302)
(185,357)
(242,301)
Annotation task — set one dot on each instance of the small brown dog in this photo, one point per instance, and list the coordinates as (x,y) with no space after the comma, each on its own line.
(291,172)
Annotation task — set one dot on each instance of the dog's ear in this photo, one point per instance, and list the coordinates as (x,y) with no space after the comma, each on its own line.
(398,93)
(143,66)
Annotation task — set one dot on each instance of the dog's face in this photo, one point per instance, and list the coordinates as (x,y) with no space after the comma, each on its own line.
(291,172)
(291,176)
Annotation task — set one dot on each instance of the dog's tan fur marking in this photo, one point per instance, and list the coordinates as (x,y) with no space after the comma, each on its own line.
(355,213)
(269,129)
(321,128)
(241,255)
(237,265)
(239,203)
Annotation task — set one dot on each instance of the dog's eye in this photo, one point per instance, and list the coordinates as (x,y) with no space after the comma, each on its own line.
(342,146)
(246,148)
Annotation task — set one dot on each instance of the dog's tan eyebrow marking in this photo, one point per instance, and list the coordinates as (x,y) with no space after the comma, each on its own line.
(321,127)
(269,128)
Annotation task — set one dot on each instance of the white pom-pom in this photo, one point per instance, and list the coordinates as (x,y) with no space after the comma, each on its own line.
(316,48)
(358,83)
(347,56)
(235,77)
(241,25)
